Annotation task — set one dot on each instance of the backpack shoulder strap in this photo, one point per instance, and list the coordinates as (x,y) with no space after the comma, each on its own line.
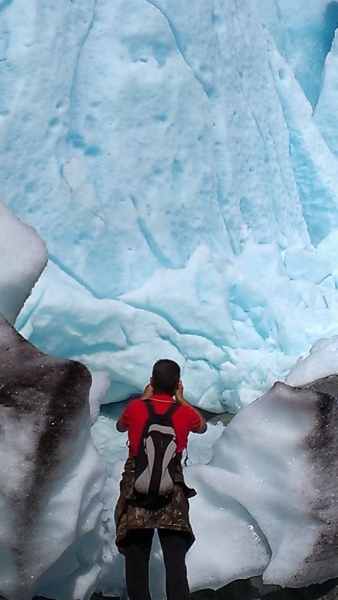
(173,408)
(149,407)
(152,412)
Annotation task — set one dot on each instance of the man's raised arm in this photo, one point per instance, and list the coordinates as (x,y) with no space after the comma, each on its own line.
(180,398)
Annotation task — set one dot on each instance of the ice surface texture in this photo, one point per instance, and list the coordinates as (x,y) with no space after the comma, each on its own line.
(50,473)
(168,155)
(23,256)
(276,460)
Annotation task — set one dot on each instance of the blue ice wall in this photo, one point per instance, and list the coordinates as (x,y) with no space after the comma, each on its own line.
(168,154)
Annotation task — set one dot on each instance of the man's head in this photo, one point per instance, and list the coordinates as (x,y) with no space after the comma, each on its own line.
(165,376)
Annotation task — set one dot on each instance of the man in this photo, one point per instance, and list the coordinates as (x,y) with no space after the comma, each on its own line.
(135,524)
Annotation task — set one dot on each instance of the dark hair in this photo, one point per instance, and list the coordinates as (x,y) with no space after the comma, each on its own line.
(165,376)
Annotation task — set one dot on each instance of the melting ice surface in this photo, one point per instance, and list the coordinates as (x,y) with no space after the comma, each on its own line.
(179,161)
(184,182)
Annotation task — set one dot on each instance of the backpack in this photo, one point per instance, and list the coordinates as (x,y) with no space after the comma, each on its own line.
(156,461)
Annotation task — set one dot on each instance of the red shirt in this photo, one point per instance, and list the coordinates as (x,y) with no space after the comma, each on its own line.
(134,416)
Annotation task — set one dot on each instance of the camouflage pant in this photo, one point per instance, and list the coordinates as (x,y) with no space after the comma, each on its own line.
(175,515)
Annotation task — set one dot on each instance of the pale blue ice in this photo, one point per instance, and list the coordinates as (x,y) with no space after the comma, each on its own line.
(172,163)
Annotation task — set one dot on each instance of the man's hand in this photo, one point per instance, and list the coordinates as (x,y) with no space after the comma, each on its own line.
(179,393)
(148,392)
(181,399)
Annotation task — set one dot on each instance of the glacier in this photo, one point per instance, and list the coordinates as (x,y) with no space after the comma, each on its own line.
(170,148)
(178,162)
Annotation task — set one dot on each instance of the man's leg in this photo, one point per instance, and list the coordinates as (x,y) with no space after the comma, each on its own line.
(174,548)
(137,553)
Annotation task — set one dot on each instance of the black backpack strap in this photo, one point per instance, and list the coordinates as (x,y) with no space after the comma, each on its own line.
(173,408)
(149,407)
(152,412)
